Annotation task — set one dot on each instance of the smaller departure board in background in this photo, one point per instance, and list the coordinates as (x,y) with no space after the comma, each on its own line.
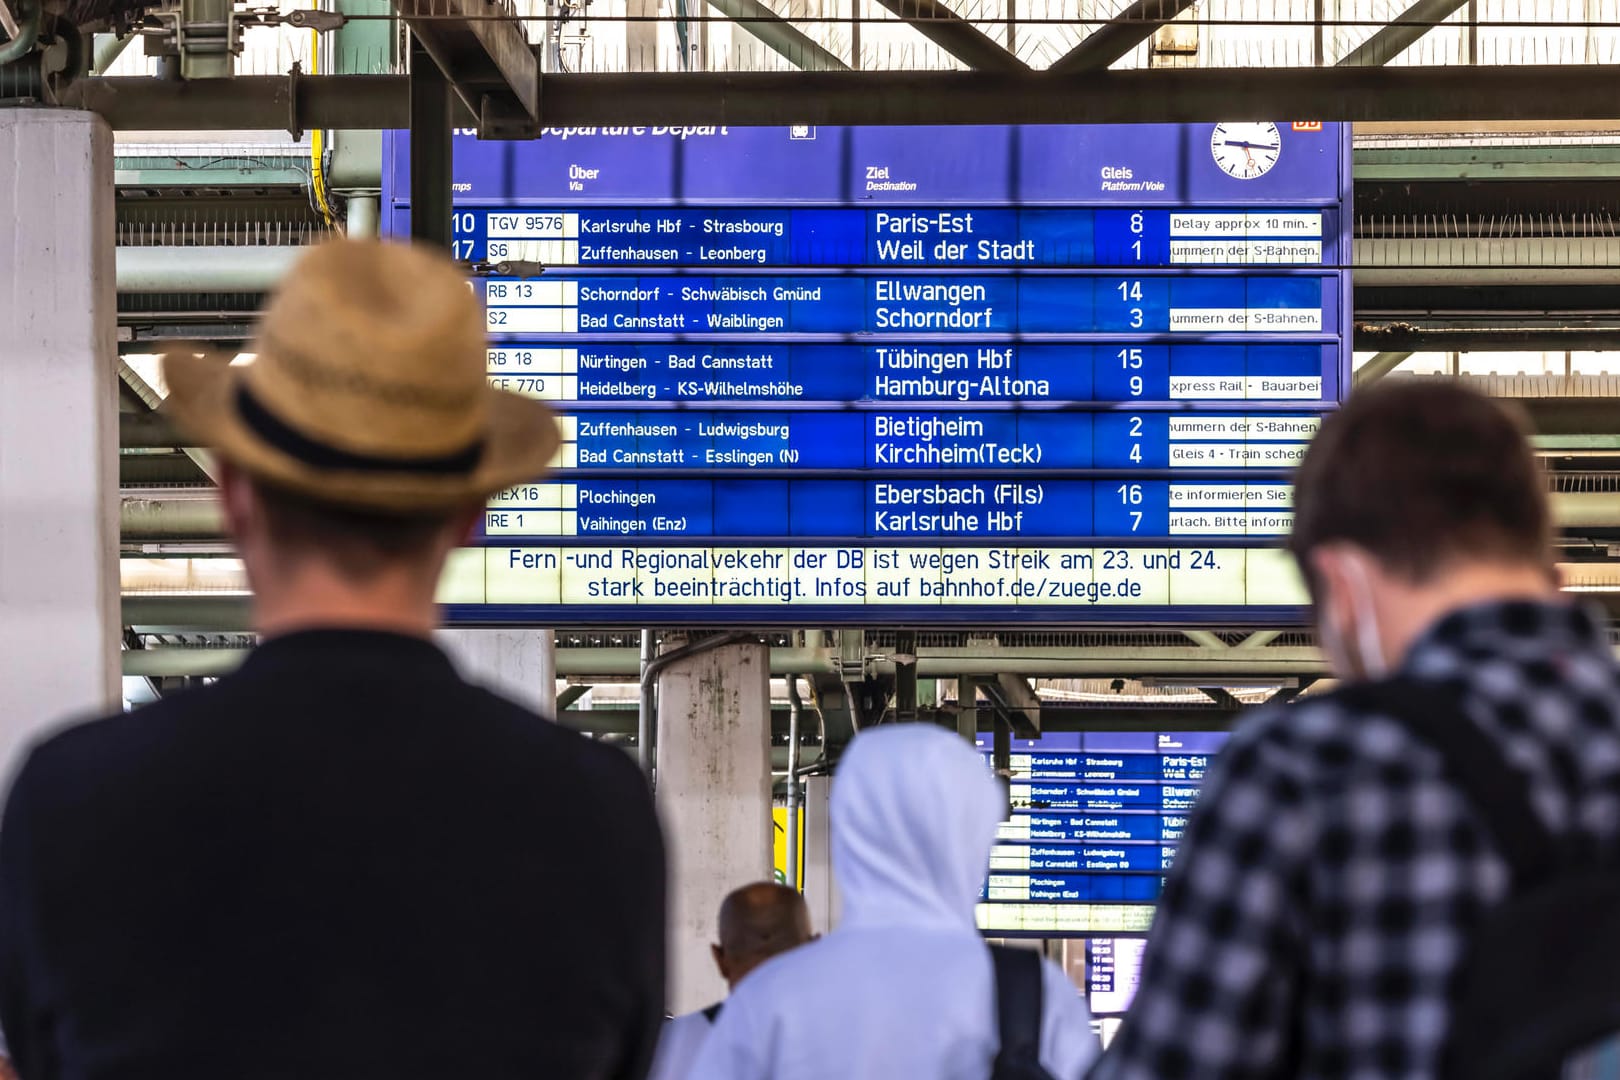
(1095,822)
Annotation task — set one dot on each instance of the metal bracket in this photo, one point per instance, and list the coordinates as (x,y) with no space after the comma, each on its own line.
(852,656)
(306,19)
(203,35)
(515,268)
(294,127)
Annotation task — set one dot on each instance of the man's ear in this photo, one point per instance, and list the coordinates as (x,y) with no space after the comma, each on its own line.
(720,964)
(466,524)
(1328,569)
(236,498)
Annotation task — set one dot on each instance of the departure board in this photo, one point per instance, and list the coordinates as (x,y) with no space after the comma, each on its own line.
(967,374)
(1095,821)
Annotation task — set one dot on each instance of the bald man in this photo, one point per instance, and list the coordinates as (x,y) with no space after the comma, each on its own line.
(757,922)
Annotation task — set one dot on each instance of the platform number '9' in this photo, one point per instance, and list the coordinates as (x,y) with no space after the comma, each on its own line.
(1131,360)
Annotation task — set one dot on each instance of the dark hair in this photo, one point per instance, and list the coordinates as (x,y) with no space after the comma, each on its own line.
(357,542)
(761,920)
(1420,473)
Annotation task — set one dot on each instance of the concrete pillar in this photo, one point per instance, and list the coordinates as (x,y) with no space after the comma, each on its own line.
(714,794)
(517,664)
(820,890)
(59,617)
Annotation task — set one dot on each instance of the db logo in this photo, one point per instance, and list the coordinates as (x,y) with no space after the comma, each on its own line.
(1307,125)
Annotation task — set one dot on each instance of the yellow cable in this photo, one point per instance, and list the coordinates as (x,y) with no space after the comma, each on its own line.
(317,140)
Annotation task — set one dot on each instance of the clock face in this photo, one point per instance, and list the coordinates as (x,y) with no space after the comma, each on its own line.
(1246,151)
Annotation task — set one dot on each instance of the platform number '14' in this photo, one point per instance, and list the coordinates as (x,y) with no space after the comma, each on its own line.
(1130,292)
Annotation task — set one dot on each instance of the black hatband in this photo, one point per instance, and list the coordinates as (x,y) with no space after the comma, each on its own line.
(295,444)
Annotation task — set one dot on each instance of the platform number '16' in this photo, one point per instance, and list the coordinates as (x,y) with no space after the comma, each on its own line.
(1131,495)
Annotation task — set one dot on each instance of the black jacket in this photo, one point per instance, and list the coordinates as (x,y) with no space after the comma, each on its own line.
(340,862)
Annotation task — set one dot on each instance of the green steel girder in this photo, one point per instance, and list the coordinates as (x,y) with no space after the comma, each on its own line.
(1584,162)
(211,171)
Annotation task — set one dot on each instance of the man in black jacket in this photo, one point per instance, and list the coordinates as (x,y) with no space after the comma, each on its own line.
(342,861)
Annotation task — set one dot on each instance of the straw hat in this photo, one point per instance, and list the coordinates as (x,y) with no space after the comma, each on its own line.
(368,389)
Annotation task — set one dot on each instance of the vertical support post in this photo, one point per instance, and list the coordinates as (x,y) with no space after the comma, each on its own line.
(905,676)
(641,35)
(517,664)
(646,711)
(360,217)
(547,672)
(855,34)
(820,890)
(795,711)
(59,591)
(714,795)
(967,709)
(430,150)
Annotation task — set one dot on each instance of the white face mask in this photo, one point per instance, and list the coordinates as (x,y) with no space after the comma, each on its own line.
(1368,660)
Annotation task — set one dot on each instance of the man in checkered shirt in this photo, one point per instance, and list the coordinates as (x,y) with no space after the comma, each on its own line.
(1324,891)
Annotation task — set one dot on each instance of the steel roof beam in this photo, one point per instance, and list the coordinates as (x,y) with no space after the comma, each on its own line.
(956,35)
(487,59)
(1178,95)
(779,35)
(1394,39)
(1115,39)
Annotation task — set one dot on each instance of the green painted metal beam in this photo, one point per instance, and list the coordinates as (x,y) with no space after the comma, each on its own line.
(1577,443)
(172,171)
(1583,162)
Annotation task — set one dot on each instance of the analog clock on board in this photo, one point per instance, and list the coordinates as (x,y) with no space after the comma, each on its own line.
(1247,150)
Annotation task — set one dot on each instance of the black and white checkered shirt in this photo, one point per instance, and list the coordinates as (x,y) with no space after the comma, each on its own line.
(1323,893)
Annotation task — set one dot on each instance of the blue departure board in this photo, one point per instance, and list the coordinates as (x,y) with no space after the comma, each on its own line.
(967,374)
(1096,818)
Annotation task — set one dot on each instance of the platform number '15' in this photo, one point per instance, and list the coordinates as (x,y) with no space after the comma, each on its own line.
(1131,360)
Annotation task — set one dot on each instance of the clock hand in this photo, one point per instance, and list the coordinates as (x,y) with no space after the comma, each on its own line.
(1248,145)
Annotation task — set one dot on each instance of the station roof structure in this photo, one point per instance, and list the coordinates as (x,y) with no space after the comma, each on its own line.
(1487,231)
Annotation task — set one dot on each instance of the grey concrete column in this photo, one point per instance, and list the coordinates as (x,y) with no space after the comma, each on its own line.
(517,664)
(714,795)
(59,617)
(820,890)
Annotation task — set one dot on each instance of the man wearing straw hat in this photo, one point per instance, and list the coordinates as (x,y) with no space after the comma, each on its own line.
(342,861)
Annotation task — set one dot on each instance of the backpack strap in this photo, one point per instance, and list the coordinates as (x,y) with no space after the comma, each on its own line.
(1018,1001)
(1498,792)
(712,1013)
